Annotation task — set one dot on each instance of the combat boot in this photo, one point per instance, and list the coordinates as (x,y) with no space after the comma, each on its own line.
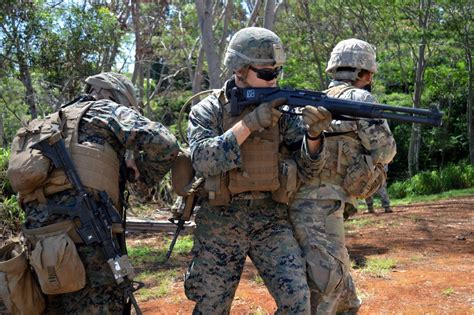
(388,210)
(370,209)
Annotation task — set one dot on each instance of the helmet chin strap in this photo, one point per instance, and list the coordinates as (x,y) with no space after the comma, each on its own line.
(362,83)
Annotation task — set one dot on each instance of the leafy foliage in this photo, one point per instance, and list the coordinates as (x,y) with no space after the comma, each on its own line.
(432,182)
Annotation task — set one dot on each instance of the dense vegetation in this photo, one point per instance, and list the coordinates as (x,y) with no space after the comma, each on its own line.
(171,50)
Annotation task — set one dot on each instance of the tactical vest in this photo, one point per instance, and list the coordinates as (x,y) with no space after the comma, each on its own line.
(96,164)
(343,150)
(260,159)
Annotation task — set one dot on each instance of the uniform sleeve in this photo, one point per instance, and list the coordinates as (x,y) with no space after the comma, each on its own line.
(157,148)
(212,150)
(376,137)
(293,132)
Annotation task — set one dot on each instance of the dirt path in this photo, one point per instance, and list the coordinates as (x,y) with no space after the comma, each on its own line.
(431,245)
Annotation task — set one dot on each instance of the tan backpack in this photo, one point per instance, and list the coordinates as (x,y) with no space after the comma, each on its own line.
(28,168)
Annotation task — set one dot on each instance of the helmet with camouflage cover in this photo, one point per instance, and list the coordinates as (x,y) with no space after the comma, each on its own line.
(254,46)
(113,85)
(351,53)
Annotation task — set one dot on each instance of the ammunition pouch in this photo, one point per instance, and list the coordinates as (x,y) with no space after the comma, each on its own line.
(218,193)
(288,178)
(55,259)
(18,289)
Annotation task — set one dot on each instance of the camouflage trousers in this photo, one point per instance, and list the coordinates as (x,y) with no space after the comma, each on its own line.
(319,229)
(225,236)
(101,295)
(384,198)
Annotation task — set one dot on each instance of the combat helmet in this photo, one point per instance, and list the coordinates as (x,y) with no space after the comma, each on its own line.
(117,84)
(254,46)
(349,57)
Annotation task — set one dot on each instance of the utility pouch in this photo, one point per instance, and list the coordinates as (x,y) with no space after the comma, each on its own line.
(288,178)
(216,186)
(363,178)
(55,259)
(18,289)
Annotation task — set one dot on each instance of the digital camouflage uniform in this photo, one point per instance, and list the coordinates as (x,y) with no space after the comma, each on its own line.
(225,235)
(384,198)
(317,212)
(123,128)
(357,150)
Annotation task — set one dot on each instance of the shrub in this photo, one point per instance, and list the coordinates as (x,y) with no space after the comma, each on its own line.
(398,190)
(452,177)
(11,215)
(432,182)
(468,175)
(426,183)
(5,187)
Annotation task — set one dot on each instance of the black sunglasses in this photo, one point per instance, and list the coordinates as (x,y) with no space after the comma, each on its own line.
(266,74)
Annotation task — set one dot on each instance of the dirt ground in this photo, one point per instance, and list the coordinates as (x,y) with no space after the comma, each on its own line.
(432,245)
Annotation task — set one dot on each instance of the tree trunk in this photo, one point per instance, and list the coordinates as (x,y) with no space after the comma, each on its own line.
(197,80)
(269,17)
(25,78)
(3,139)
(470,101)
(415,139)
(204,10)
(137,77)
(225,28)
(254,15)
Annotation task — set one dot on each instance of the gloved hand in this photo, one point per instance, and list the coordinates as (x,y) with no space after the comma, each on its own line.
(317,119)
(264,116)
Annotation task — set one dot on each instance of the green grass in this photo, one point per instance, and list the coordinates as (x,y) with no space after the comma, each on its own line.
(183,245)
(258,279)
(158,283)
(259,311)
(448,291)
(444,195)
(144,255)
(416,258)
(379,267)
(358,223)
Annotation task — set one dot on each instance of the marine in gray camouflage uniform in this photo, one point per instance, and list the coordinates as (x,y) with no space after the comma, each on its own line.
(357,150)
(248,223)
(110,120)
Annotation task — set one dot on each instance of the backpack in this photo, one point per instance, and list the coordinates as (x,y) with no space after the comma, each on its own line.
(28,168)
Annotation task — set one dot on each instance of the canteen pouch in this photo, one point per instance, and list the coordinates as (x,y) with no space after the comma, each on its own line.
(18,289)
(58,265)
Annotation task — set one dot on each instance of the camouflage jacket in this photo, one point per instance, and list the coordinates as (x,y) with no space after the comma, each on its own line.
(375,139)
(123,128)
(215,151)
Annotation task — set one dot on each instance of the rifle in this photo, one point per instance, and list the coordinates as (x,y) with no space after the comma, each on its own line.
(93,222)
(341,109)
(189,204)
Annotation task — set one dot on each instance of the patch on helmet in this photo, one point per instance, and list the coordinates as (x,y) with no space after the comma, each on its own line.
(278,55)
